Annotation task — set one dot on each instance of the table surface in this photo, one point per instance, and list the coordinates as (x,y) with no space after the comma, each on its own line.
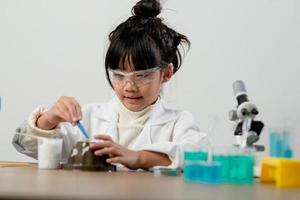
(33,183)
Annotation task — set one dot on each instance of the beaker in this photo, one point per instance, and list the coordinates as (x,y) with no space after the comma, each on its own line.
(49,152)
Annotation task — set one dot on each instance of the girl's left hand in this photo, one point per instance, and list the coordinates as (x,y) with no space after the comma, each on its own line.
(116,152)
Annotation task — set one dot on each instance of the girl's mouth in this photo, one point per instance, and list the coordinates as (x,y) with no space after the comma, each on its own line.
(132,100)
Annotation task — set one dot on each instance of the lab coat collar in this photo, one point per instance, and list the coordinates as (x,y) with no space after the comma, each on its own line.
(108,111)
(161,113)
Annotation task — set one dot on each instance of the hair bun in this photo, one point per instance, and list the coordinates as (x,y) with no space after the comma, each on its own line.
(147,8)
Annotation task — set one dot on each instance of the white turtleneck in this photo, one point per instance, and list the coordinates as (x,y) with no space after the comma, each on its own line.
(131,124)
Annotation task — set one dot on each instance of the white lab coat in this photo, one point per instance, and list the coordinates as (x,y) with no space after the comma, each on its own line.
(167,131)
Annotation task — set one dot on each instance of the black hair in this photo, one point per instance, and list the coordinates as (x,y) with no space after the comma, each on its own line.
(144,40)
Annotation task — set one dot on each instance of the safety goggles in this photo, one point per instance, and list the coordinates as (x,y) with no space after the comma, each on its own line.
(139,78)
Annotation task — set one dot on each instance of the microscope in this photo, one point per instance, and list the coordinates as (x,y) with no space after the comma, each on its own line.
(247,129)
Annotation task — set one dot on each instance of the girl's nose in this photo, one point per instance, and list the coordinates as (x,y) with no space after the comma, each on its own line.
(130,86)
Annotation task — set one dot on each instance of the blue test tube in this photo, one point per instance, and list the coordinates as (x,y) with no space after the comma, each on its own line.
(275,144)
(286,146)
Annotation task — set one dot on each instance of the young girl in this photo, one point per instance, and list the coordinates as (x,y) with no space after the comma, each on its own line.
(136,128)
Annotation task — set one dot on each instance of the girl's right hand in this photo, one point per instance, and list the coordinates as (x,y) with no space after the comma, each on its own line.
(66,109)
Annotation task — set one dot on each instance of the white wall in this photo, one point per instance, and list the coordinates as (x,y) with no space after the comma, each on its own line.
(57,47)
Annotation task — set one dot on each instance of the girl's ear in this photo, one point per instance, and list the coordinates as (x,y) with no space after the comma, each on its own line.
(167,73)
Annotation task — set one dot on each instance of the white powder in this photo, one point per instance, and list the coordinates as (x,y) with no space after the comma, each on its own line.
(49,153)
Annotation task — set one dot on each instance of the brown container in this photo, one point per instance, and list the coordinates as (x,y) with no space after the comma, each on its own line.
(83,158)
